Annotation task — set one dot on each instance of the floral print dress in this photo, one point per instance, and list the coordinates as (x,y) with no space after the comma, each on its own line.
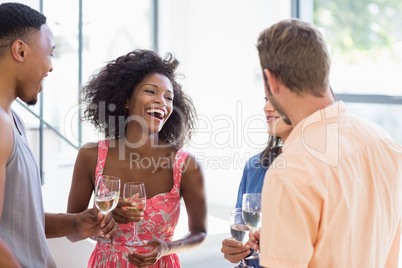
(161,216)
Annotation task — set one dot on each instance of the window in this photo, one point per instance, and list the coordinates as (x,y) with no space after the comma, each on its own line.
(365,41)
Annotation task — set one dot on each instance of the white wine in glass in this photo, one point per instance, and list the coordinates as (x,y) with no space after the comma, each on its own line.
(251,206)
(107,191)
(134,192)
(239,232)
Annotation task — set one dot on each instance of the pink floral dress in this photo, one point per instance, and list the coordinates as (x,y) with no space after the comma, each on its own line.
(160,220)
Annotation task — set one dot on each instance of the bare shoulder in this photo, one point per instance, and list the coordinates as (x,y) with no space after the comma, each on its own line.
(6,136)
(88,152)
(192,170)
(191,164)
(85,163)
(5,120)
(6,148)
(192,189)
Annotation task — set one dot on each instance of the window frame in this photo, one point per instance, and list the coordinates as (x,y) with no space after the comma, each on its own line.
(304,10)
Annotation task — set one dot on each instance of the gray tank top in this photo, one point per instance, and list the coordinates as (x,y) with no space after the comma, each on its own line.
(22,223)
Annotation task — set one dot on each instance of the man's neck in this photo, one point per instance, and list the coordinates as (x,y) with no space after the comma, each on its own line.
(303,106)
(7,87)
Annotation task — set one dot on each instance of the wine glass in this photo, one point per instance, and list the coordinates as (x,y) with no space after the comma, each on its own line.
(107,191)
(134,192)
(239,231)
(251,206)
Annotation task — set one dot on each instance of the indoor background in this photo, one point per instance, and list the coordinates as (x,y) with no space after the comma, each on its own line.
(215,42)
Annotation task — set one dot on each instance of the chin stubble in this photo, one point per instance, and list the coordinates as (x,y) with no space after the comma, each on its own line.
(32,102)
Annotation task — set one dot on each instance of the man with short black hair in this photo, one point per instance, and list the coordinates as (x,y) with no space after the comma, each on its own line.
(26,51)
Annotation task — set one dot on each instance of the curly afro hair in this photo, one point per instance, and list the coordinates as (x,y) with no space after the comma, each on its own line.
(108,91)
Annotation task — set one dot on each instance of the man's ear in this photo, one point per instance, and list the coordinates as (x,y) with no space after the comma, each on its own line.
(273,81)
(18,50)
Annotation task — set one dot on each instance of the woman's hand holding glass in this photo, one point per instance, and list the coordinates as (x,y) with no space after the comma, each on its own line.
(159,248)
(234,251)
(124,216)
(239,231)
(135,196)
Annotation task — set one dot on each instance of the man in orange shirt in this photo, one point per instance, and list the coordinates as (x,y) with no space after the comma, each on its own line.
(337,201)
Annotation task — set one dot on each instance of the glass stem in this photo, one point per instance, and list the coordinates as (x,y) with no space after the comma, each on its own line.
(135,235)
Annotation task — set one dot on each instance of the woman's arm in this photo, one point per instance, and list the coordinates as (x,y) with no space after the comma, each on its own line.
(194,196)
(234,251)
(82,184)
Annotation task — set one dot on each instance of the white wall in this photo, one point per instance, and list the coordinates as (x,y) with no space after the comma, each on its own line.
(215,41)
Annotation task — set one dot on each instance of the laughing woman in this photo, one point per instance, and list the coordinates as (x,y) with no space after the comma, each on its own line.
(146,118)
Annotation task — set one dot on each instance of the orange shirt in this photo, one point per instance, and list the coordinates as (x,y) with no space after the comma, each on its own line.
(333,197)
